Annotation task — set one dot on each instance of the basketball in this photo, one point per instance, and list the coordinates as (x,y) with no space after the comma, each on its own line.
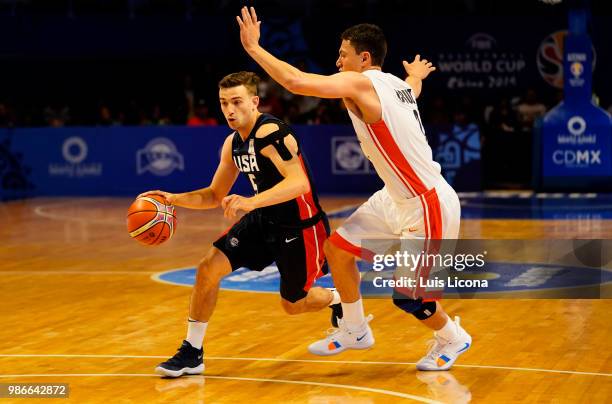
(151,220)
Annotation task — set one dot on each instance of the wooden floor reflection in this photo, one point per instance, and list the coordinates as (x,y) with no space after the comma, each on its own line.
(80,307)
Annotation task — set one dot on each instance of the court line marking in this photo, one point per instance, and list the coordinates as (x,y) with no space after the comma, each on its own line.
(41,210)
(249,379)
(229,358)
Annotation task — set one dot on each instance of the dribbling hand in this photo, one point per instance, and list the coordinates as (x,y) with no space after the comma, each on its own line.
(419,68)
(169,197)
(249,28)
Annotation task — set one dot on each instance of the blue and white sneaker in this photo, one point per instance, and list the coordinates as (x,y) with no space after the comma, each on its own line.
(442,353)
(340,339)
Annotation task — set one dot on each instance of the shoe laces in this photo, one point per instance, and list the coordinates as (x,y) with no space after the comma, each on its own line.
(343,327)
(435,347)
(181,354)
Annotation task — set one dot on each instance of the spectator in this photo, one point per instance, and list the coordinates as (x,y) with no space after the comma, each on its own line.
(7,119)
(105,116)
(269,97)
(529,109)
(56,115)
(437,113)
(201,116)
(502,118)
(158,116)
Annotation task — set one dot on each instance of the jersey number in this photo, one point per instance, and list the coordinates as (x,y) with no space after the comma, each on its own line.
(252,179)
(418,118)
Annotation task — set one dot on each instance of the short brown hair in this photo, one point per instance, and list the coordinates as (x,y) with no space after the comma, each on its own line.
(368,38)
(248,79)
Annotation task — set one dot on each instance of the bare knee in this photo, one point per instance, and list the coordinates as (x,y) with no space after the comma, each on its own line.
(209,271)
(292,308)
(336,254)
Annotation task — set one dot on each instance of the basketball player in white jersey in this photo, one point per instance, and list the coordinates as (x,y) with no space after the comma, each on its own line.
(415,203)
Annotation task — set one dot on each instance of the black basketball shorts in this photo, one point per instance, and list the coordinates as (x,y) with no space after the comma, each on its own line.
(255,242)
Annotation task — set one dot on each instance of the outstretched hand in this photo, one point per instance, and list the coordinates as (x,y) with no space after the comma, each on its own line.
(419,68)
(249,28)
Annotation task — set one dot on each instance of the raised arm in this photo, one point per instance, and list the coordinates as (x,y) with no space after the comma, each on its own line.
(339,85)
(417,71)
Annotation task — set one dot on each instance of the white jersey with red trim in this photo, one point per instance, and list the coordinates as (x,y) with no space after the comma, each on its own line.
(396,145)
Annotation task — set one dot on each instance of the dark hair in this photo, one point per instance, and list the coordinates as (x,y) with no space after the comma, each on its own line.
(248,79)
(368,38)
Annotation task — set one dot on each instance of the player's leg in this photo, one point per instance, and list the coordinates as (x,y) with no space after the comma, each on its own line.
(450,339)
(316,299)
(301,261)
(241,246)
(343,246)
(189,357)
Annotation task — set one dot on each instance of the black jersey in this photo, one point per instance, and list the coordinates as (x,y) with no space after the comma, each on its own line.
(302,211)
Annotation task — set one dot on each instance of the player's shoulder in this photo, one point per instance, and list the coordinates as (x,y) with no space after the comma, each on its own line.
(270,125)
(229,139)
(355,77)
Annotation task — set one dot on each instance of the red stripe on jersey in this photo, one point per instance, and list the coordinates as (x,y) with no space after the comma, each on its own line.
(395,158)
(343,244)
(307,197)
(314,237)
(434,214)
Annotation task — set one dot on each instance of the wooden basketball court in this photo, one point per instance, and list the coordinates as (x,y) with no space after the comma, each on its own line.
(80,307)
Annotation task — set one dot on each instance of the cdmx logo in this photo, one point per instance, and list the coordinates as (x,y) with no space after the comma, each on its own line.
(159,157)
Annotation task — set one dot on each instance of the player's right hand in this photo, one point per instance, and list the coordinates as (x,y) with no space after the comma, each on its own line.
(249,28)
(169,196)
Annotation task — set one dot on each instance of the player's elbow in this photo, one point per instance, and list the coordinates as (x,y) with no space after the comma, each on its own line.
(304,188)
(293,84)
(297,84)
(299,186)
(214,201)
(302,185)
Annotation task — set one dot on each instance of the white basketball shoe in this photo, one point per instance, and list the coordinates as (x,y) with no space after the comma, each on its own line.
(442,353)
(342,338)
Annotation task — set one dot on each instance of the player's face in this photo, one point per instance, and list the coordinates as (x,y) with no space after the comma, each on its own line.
(238,106)
(348,58)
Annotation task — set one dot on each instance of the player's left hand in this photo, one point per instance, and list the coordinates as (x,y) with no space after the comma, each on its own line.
(419,68)
(249,28)
(231,204)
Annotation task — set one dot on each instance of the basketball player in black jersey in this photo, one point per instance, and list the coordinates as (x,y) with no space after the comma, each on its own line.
(283,222)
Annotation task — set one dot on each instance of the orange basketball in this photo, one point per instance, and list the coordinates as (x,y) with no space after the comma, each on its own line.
(151,220)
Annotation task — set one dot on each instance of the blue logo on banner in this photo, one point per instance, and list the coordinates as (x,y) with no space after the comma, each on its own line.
(501,277)
(160,157)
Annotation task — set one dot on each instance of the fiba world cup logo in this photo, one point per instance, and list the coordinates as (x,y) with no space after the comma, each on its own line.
(550,60)
(576,69)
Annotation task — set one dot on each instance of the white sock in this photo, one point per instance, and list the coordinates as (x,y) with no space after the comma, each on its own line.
(449,331)
(352,314)
(195,332)
(336,296)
